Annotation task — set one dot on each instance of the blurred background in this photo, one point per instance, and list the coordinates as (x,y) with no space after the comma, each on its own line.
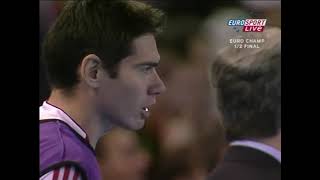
(184,137)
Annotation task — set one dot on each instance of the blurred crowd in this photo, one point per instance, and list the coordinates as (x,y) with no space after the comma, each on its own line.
(184,137)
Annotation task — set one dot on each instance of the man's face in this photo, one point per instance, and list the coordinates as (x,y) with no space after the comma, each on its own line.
(124,100)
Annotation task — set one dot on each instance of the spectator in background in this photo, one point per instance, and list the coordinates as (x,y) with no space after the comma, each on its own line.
(248,83)
(184,120)
(182,156)
(121,156)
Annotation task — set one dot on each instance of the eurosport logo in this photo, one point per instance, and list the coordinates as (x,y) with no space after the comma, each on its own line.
(248,25)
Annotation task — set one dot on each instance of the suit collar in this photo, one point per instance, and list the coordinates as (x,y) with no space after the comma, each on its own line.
(251,156)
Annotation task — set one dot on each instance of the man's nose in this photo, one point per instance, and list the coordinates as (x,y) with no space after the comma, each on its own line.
(157,87)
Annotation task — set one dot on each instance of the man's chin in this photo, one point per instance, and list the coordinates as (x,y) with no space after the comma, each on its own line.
(135,124)
(139,124)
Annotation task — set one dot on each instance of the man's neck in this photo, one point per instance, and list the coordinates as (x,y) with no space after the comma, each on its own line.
(81,110)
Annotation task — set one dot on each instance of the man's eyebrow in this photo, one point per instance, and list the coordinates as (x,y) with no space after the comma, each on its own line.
(152,64)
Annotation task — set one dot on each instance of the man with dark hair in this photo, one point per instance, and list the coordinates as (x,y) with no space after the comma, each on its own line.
(248,83)
(100,58)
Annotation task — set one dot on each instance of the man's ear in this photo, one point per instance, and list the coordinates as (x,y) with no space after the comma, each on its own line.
(90,69)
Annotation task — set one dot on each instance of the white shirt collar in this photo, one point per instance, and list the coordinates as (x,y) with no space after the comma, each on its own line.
(259,146)
(48,111)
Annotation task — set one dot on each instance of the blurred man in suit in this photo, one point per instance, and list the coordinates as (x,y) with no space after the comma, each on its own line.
(248,83)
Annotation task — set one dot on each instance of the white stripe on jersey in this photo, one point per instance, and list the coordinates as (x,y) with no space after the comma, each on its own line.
(71,173)
(61,173)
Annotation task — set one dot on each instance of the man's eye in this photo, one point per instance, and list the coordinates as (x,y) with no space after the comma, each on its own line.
(146,68)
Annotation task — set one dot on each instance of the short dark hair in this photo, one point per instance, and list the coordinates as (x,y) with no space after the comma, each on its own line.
(248,83)
(102,27)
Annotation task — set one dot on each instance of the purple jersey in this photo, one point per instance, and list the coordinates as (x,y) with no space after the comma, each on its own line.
(63,142)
